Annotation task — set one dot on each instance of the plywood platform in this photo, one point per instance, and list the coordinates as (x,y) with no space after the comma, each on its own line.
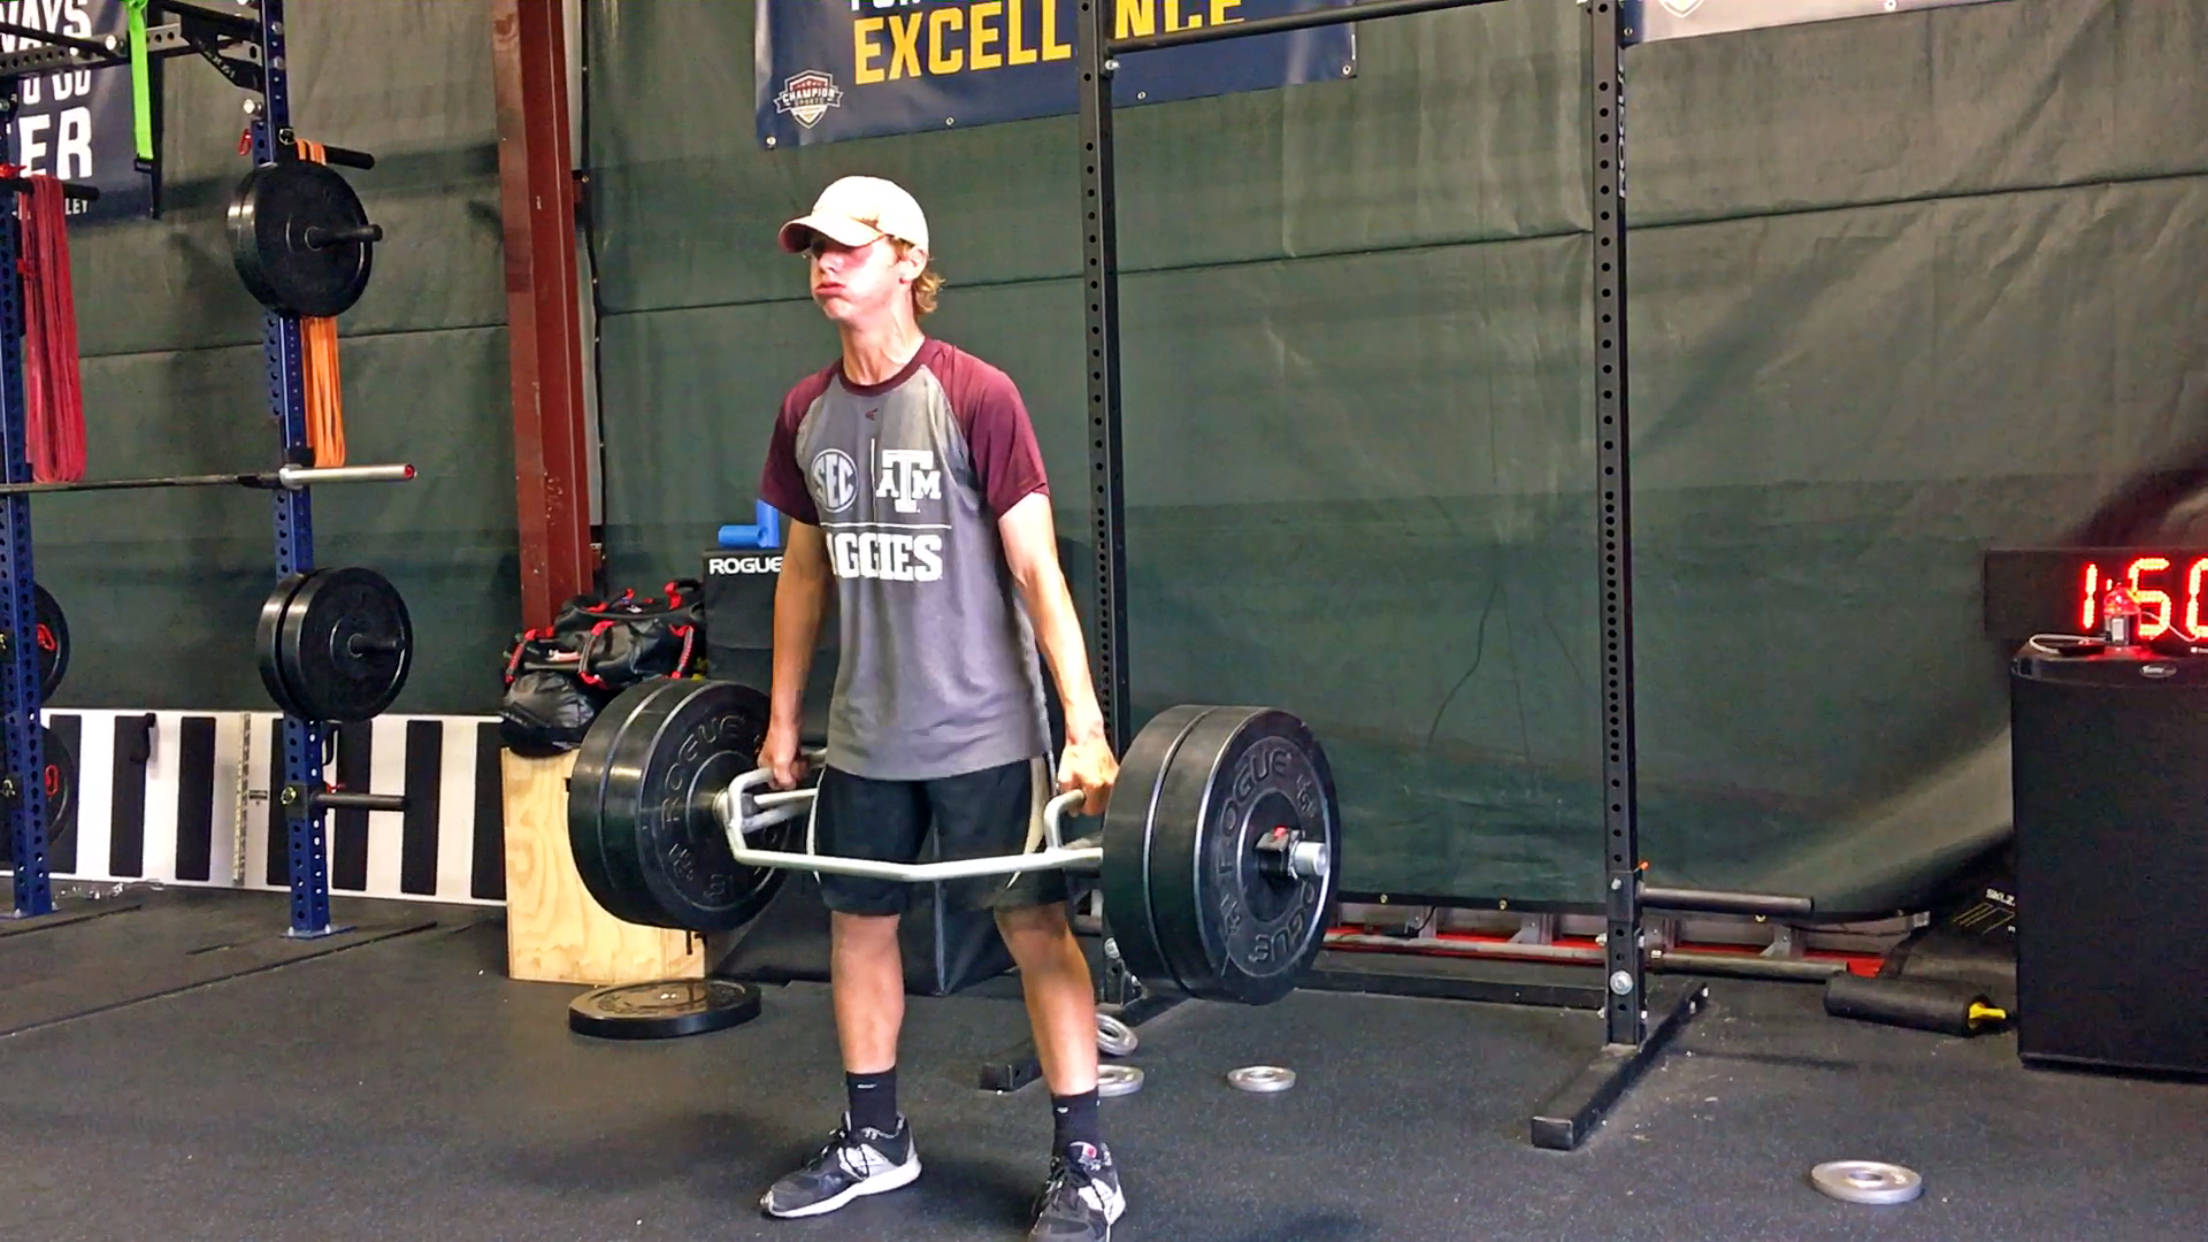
(555,931)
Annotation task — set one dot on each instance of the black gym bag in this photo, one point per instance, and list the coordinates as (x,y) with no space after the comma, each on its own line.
(559,676)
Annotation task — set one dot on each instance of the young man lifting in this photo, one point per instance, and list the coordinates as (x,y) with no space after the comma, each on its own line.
(915,491)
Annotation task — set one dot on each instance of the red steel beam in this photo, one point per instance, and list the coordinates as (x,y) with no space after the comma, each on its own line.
(543,306)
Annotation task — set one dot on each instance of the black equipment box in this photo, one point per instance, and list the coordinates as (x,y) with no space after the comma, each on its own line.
(2110,776)
(739,628)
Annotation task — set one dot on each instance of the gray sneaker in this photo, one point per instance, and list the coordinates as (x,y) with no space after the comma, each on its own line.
(1081,1199)
(853,1163)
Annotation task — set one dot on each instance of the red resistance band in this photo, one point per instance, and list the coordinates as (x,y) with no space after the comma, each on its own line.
(53,389)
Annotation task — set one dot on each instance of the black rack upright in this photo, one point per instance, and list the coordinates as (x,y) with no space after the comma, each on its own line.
(1636,1025)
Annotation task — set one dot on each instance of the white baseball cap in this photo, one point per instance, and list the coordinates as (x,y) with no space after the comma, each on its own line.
(853,211)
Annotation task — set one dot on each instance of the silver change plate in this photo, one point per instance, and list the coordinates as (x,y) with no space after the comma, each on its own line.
(1867,1181)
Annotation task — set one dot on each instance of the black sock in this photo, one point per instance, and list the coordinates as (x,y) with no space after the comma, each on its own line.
(873,1100)
(1077,1120)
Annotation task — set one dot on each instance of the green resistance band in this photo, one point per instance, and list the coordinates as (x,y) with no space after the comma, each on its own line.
(141,80)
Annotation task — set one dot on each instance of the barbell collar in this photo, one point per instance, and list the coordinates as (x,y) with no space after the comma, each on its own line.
(293,478)
(1309,860)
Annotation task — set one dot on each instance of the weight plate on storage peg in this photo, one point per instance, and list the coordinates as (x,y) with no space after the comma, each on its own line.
(1867,1181)
(640,817)
(60,779)
(1222,847)
(300,239)
(663,1010)
(52,636)
(267,633)
(335,644)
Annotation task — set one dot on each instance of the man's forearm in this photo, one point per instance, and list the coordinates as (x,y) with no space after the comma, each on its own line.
(799,602)
(1058,633)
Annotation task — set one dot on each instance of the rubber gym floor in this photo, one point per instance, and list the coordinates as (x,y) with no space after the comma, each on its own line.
(174,1069)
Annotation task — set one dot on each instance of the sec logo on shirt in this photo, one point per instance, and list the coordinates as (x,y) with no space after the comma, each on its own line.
(835,480)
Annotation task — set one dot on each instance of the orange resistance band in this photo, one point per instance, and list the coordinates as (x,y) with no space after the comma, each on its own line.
(325,392)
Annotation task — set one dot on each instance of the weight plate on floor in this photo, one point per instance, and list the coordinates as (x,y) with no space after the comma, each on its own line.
(663,1010)
(1261,1079)
(1114,1038)
(1114,1080)
(52,629)
(271,214)
(335,645)
(640,813)
(60,780)
(1867,1181)
(1192,900)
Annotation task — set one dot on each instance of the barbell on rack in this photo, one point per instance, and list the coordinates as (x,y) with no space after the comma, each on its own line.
(286,478)
(1217,855)
(335,645)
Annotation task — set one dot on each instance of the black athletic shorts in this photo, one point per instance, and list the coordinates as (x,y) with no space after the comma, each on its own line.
(993,811)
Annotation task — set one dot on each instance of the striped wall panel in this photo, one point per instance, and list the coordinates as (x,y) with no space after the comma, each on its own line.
(184,798)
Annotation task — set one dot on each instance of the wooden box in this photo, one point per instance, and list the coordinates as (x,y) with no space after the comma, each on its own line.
(555,931)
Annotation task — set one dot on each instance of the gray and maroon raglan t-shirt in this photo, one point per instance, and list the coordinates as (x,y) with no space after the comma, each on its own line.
(907,479)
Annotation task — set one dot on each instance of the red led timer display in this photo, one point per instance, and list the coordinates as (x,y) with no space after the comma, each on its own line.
(2168,593)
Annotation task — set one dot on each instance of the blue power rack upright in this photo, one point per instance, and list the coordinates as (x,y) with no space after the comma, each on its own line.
(273,139)
(22,797)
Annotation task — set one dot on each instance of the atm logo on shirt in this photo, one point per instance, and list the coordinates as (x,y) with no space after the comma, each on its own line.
(908,476)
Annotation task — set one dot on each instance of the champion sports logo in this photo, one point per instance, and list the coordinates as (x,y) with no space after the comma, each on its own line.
(808,96)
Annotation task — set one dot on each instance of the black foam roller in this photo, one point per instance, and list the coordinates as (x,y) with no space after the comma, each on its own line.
(1925,1004)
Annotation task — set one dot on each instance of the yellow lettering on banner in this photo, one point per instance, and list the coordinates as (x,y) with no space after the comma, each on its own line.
(951,38)
(864,48)
(1135,18)
(904,47)
(977,49)
(1219,11)
(1174,21)
(942,58)
(1052,48)
(1014,53)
